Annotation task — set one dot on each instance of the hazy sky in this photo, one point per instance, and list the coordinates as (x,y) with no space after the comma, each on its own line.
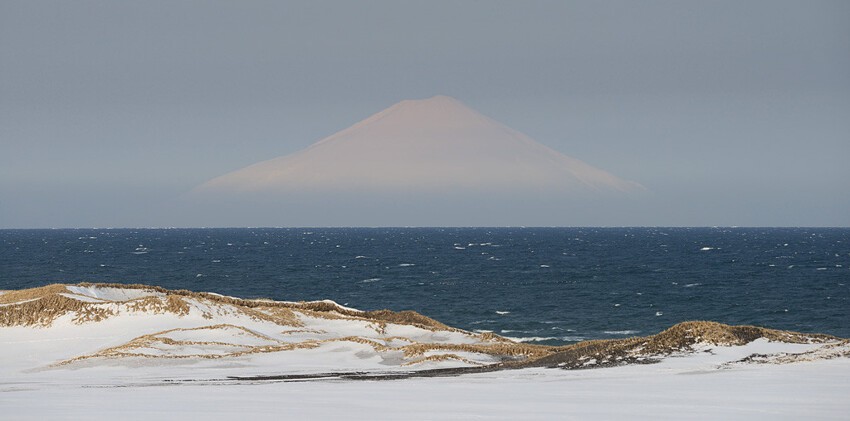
(729,112)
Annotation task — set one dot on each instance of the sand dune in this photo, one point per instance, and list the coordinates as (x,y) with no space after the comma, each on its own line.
(72,338)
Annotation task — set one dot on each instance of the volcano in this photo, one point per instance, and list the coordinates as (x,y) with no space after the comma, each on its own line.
(431,145)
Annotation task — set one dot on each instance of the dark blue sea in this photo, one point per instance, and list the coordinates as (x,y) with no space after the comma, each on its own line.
(552,285)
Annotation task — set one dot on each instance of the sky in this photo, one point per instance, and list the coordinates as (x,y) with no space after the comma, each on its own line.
(730,113)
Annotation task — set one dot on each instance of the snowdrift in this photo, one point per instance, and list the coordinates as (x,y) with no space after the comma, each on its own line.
(159,332)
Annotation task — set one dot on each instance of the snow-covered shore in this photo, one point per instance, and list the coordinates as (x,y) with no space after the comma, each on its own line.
(808,391)
(109,352)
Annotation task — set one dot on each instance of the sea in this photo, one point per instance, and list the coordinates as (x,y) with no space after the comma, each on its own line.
(539,285)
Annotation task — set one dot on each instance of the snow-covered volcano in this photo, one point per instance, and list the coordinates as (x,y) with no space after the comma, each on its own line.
(428,145)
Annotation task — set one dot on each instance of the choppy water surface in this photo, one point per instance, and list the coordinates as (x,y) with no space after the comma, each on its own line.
(554,285)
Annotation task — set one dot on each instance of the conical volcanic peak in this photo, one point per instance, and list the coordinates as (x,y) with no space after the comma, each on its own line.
(431,145)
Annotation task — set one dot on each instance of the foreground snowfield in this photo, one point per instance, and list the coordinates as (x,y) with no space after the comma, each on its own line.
(106,352)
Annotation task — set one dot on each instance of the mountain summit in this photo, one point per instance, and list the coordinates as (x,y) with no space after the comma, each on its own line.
(428,145)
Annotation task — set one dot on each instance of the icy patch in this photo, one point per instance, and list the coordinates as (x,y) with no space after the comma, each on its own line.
(112,294)
(83,298)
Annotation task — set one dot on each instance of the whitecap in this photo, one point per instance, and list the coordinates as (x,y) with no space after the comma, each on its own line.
(533,338)
(706,248)
(502,312)
(621,332)
(658,313)
(360,257)
(546,338)
(365,281)
(404,265)
(544,266)
(692,285)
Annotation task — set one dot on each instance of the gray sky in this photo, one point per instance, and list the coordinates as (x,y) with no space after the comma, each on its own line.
(729,112)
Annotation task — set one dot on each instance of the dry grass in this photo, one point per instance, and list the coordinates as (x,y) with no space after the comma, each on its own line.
(157,340)
(282,316)
(679,338)
(442,357)
(41,306)
(506,351)
(314,308)
(408,317)
(44,310)
(159,305)
(16,296)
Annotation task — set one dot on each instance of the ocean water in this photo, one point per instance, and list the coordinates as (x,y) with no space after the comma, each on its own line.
(545,285)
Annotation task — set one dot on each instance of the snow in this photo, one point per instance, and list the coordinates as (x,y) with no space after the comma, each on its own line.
(663,391)
(180,367)
(111,294)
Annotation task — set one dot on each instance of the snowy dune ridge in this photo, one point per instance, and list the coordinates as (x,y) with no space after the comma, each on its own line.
(148,328)
(112,351)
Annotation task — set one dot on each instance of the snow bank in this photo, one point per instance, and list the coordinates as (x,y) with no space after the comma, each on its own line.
(176,355)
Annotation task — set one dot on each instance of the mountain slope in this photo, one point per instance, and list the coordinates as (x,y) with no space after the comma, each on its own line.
(429,145)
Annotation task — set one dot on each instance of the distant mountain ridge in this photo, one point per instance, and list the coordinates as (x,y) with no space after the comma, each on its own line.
(430,145)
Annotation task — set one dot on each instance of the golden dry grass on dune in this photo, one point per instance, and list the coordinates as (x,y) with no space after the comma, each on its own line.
(44,309)
(16,296)
(317,308)
(41,306)
(678,338)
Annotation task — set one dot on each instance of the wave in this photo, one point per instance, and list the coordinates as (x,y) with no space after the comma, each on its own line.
(527,339)
(621,332)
